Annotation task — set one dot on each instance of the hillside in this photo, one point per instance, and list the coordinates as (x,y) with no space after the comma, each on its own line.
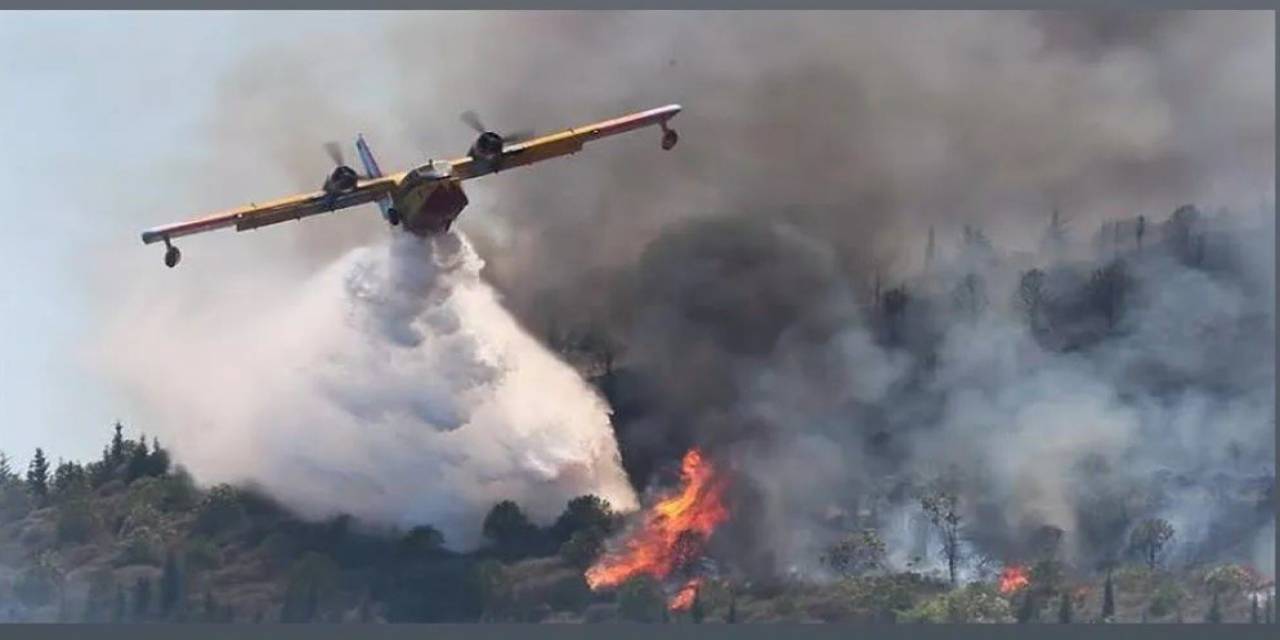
(131,538)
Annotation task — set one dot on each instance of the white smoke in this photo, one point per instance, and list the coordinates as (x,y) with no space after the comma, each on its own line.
(392,385)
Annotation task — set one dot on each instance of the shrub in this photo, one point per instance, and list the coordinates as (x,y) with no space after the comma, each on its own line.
(280,549)
(202,554)
(178,491)
(1166,599)
(220,511)
(856,554)
(569,593)
(972,603)
(583,547)
(15,501)
(76,522)
(143,545)
(640,600)
(37,585)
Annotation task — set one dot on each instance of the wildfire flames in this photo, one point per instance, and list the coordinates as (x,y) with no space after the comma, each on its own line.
(684,597)
(1013,578)
(672,533)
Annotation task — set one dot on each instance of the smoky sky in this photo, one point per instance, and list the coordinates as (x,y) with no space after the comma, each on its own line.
(817,150)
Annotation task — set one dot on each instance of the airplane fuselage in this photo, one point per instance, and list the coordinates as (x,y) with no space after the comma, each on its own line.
(429,202)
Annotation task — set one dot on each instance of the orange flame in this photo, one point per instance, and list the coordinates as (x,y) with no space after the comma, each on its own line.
(662,544)
(1013,578)
(684,597)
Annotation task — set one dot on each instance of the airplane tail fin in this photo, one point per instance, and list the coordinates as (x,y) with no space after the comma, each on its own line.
(371,170)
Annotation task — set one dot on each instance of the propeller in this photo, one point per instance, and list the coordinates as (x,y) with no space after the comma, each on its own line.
(471,119)
(335,153)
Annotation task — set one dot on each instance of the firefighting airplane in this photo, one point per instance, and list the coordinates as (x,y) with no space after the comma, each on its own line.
(424,200)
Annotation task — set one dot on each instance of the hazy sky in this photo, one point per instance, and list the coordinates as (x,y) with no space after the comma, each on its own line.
(113,122)
(92,98)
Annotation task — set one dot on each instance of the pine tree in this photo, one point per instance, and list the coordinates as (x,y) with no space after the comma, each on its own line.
(38,476)
(1215,610)
(1064,610)
(138,460)
(116,455)
(1108,599)
(158,460)
(6,471)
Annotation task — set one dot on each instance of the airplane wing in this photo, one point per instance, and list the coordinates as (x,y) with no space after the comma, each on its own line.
(567,142)
(282,210)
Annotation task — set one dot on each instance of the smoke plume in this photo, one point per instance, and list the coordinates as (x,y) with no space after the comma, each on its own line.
(747,283)
(392,386)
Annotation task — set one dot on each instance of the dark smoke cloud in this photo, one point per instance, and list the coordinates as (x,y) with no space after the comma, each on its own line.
(817,150)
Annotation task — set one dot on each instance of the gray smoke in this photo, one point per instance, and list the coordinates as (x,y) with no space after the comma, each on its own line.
(735,275)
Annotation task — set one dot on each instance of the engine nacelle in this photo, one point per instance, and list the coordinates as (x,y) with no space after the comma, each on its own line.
(487,148)
(342,180)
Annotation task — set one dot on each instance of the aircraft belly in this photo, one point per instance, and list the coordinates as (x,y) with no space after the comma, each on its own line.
(430,207)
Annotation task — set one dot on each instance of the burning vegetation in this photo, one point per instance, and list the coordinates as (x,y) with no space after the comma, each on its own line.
(671,535)
(1013,579)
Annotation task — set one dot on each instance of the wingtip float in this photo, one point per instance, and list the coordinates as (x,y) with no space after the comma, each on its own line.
(423,200)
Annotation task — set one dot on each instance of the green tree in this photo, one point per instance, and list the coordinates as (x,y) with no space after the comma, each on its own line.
(421,541)
(69,481)
(6,471)
(510,530)
(116,452)
(38,476)
(582,513)
(157,463)
(1150,539)
(139,460)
